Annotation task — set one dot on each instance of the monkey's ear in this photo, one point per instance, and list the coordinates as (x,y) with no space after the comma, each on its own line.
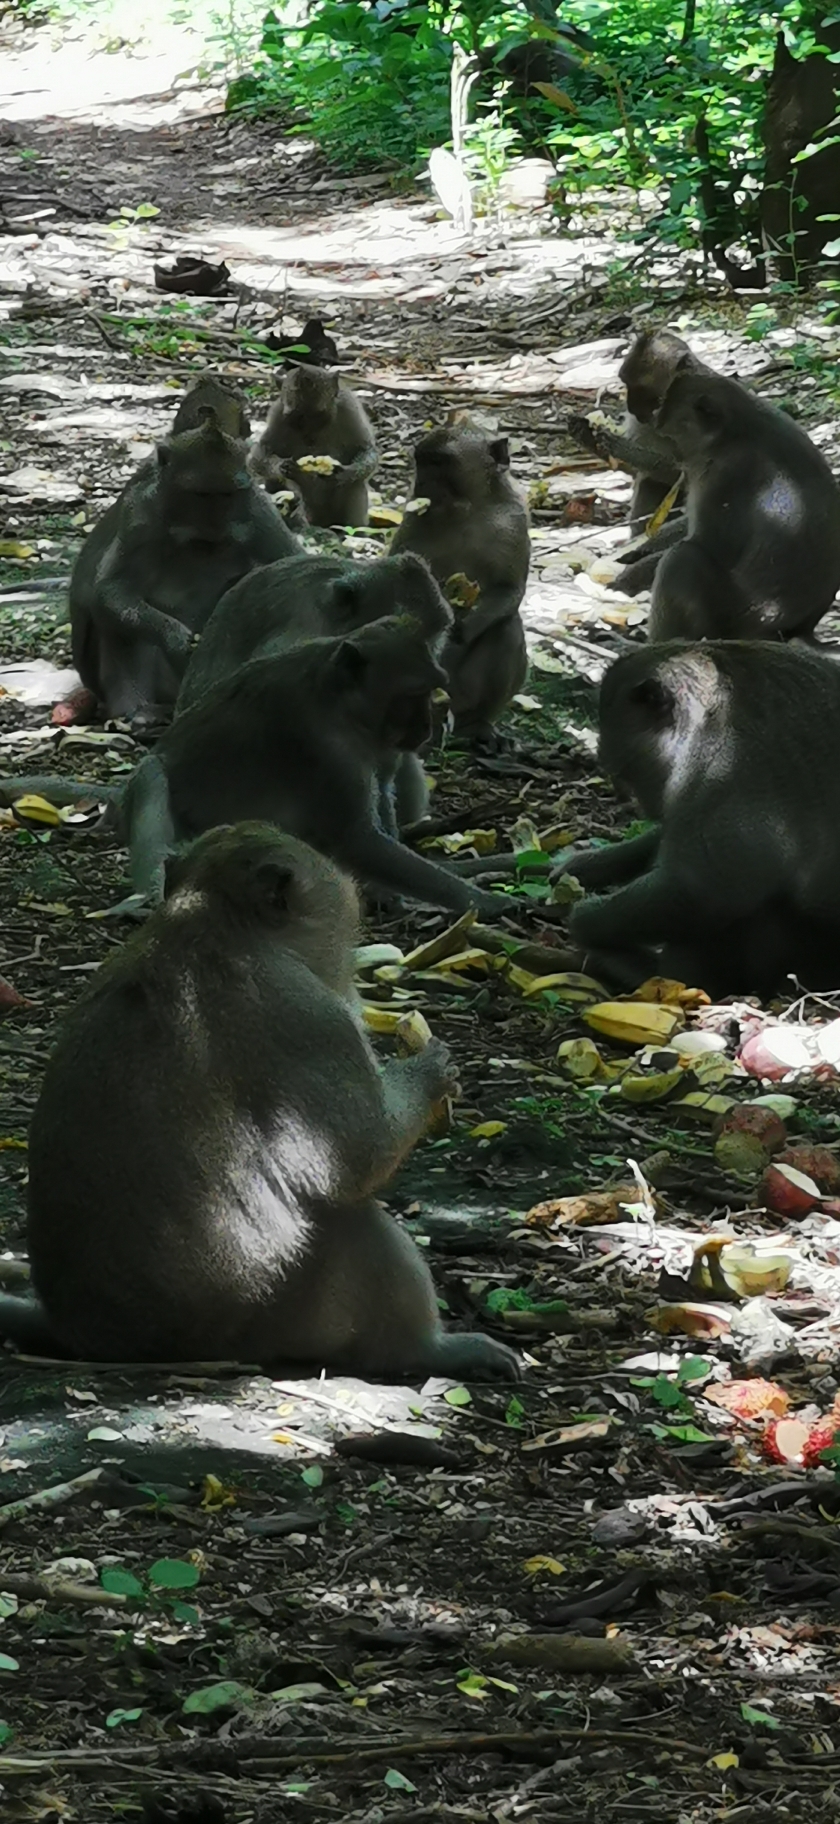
(173,873)
(350,661)
(708,410)
(274,881)
(500,452)
(346,591)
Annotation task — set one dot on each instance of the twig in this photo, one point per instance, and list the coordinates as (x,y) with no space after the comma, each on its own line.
(48,1497)
(54,1589)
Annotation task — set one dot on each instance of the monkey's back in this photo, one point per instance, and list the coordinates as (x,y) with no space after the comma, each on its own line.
(186,1128)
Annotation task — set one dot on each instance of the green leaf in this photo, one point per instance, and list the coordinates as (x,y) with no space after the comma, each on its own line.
(514,1411)
(218,1697)
(694,1368)
(398,1782)
(665,1393)
(687,1434)
(472,1684)
(122,1716)
(8,1606)
(759,1716)
(145,211)
(182,1611)
(6,1733)
(313,1476)
(457,1396)
(7,1664)
(173,1574)
(121,1583)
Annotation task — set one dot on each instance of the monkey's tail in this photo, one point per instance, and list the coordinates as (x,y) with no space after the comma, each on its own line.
(24,1322)
(57,790)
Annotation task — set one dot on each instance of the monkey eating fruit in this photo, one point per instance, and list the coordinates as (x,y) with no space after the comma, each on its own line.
(467,520)
(243,1127)
(319,436)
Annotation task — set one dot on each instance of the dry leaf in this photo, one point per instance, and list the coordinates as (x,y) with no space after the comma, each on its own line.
(689,1320)
(591,1208)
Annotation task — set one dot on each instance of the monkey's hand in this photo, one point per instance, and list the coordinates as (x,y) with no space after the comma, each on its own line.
(179,643)
(439,1071)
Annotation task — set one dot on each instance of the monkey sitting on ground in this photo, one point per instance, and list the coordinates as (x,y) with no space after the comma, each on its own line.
(762,555)
(211,393)
(318,416)
(646,371)
(474,525)
(187,525)
(303,598)
(734,749)
(302,739)
(243,1126)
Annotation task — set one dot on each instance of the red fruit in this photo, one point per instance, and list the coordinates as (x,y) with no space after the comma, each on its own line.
(785,1441)
(817,1162)
(820,1438)
(788,1192)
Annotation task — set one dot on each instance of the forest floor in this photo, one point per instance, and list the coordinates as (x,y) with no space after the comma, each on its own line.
(345,1651)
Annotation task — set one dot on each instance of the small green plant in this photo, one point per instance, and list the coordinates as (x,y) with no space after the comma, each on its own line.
(159,1591)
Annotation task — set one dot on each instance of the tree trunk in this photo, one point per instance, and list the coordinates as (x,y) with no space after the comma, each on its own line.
(803,99)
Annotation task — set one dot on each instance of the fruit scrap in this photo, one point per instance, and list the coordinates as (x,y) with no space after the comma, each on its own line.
(794,1441)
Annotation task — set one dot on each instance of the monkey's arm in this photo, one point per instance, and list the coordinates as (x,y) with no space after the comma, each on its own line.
(411,1088)
(611,866)
(382,862)
(634,446)
(362,465)
(149,827)
(120,610)
(641,559)
(651,909)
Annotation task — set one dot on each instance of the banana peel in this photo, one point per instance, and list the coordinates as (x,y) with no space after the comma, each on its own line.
(635,1022)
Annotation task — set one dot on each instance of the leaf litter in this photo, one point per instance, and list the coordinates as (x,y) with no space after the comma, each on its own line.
(612,1591)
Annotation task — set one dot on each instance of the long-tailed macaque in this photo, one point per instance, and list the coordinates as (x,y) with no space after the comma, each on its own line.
(762,555)
(734,749)
(470,521)
(318,416)
(210,393)
(242,1128)
(187,525)
(304,598)
(302,739)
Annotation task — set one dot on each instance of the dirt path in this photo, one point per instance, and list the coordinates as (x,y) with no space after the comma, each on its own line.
(348,1613)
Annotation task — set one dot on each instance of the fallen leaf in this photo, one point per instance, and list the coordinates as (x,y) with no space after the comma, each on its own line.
(540,1563)
(590,1208)
(689,1320)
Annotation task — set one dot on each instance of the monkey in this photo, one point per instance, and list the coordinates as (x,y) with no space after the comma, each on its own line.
(243,1126)
(312,348)
(224,400)
(762,556)
(733,749)
(300,598)
(315,416)
(188,524)
(302,738)
(475,524)
(647,370)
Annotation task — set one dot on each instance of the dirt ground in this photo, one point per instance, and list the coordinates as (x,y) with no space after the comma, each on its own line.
(593,1596)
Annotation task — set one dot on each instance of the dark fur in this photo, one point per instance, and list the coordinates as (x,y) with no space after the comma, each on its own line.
(211,1132)
(476,525)
(187,525)
(318,415)
(734,749)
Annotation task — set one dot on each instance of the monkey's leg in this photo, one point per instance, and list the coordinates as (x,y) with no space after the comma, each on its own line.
(24,1322)
(149,827)
(411,791)
(612,865)
(136,680)
(695,598)
(486,675)
(640,561)
(363,1300)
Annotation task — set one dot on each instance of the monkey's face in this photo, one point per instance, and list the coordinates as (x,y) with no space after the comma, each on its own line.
(455,464)
(637,719)
(202,473)
(647,372)
(309,396)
